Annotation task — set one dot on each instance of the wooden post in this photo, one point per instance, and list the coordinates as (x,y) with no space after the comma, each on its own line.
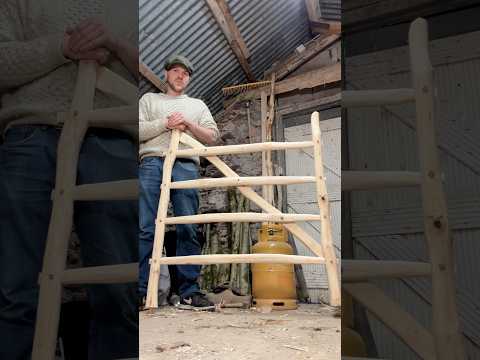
(263,127)
(445,323)
(268,137)
(60,227)
(152,291)
(324,205)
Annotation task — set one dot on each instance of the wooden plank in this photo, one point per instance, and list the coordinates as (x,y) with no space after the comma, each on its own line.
(362,98)
(327,101)
(152,290)
(323,26)
(445,322)
(297,59)
(111,190)
(294,229)
(325,76)
(150,76)
(222,15)
(392,315)
(113,84)
(108,274)
(361,270)
(325,222)
(371,180)
(241,259)
(243,148)
(206,183)
(241,217)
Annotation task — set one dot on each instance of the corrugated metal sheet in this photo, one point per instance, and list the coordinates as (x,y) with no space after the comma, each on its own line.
(272,29)
(331,9)
(387,223)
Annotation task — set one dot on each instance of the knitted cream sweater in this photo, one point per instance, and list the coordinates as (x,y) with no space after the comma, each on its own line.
(36,80)
(153,112)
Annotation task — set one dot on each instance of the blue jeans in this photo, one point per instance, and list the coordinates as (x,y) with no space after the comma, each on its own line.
(185,202)
(107,231)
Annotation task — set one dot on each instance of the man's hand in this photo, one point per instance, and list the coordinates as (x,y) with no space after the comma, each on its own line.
(177,121)
(89,40)
(91,34)
(100,55)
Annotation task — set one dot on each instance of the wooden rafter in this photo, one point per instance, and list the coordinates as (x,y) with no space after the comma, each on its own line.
(313,10)
(150,76)
(221,12)
(325,27)
(327,75)
(297,59)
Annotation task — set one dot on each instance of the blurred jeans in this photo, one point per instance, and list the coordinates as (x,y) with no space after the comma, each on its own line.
(185,202)
(108,233)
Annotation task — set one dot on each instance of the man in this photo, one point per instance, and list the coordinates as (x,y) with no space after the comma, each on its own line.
(159,115)
(41,42)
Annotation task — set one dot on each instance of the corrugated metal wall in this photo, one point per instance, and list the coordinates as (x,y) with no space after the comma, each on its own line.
(331,9)
(272,29)
(387,224)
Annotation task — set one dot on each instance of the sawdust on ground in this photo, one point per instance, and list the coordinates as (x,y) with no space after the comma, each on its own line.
(310,332)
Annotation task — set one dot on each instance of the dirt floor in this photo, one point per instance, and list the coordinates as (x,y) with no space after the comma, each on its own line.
(310,332)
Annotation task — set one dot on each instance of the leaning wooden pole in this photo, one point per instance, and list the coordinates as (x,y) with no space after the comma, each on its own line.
(445,323)
(325,222)
(152,290)
(61,220)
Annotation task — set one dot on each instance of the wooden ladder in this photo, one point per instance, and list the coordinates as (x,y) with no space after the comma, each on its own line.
(444,341)
(75,124)
(323,250)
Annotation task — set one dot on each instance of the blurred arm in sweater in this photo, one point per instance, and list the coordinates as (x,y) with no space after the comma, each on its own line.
(24,60)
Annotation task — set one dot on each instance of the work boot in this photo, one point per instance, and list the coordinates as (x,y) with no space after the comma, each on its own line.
(142,299)
(196,300)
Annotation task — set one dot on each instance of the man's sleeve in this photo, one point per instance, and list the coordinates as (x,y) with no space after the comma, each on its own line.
(148,127)
(208,122)
(24,61)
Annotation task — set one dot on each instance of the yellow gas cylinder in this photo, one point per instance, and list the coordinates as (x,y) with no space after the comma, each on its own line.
(352,342)
(273,285)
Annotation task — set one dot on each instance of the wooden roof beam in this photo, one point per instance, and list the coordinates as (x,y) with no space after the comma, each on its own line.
(326,27)
(325,76)
(297,59)
(224,18)
(150,76)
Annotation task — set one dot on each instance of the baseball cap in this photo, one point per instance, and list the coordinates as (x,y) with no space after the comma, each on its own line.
(179,60)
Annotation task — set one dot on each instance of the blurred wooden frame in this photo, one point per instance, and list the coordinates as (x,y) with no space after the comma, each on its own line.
(75,124)
(444,341)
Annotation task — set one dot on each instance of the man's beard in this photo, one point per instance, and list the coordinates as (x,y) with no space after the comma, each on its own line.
(173,86)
